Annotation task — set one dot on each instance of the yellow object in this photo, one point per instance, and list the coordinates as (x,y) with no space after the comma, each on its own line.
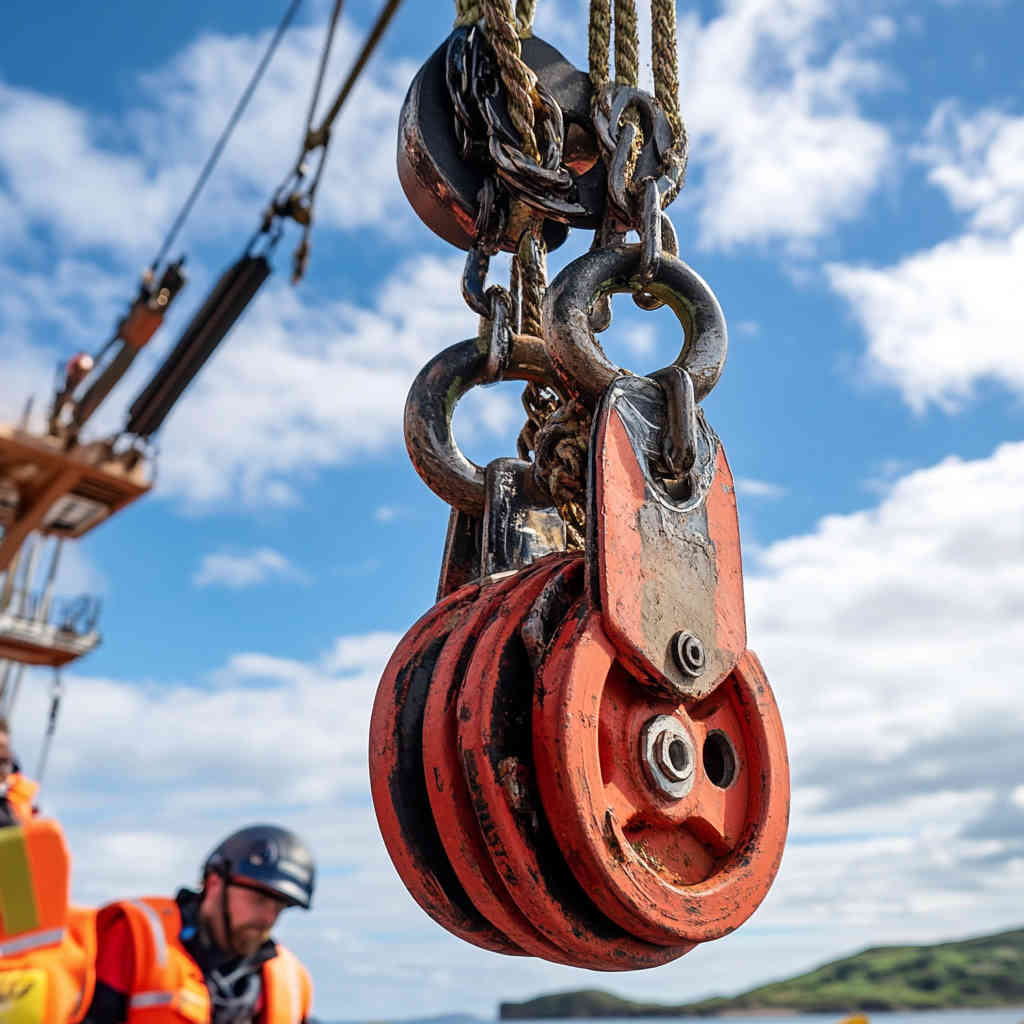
(856,1019)
(23,996)
(47,948)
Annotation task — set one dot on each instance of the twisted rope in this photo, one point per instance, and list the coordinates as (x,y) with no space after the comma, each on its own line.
(665,62)
(469,12)
(599,40)
(560,466)
(526,10)
(627,44)
(503,33)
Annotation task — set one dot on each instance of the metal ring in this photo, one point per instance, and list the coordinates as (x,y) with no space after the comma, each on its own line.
(431,405)
(579,360)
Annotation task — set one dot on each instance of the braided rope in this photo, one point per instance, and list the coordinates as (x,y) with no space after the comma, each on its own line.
(520,81)
(526,10)
(469,12)
(561,465)
(665,61)
(599,38)
(627,44)
(505,23)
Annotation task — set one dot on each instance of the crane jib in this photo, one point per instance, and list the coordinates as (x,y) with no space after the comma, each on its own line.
(225,304)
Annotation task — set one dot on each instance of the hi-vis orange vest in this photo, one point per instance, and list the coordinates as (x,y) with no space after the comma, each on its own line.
(47,949)
(21,794)
(168,987)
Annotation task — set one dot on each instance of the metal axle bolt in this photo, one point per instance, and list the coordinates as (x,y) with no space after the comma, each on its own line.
(688,653)
(668,756)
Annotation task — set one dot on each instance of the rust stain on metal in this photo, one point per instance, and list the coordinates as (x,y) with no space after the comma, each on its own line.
(515,779)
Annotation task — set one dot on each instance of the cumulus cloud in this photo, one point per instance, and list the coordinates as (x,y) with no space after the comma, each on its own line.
(303,385)
(245,569)
(771,95)
(942,320)
(760,489)
(66,171)
(866,626)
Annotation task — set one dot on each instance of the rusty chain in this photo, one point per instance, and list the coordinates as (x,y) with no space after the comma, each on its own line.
(505,26)
(557,430)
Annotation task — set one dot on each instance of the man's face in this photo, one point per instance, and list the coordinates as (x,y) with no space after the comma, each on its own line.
(252,914)
(6,761)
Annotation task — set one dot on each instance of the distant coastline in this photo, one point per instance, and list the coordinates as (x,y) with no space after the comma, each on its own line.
(982,972)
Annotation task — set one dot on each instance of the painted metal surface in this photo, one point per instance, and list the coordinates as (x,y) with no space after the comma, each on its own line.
(660,564)
(496,748)
(669,868)
(397,784)
(446,785)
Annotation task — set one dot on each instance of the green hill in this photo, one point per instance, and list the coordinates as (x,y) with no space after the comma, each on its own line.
(985,971)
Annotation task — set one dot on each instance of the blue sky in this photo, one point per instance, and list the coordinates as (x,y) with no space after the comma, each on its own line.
(856,200)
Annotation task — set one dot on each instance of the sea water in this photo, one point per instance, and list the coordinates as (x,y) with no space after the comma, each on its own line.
(1011,1016)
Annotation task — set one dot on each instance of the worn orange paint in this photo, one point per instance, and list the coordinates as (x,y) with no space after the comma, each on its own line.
(446,785)
(396,784)
(689,869)
(655,581)
(494,734)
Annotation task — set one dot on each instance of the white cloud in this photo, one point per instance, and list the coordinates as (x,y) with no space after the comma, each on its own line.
(770,97)
(245,569)
(305,385)
(979,163)
(942,320)
(881,604)
(640,339)
(91,184)
(389,513)
(301,386)
(759,488)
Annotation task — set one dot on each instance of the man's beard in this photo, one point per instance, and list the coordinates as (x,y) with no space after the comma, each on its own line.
(248,939)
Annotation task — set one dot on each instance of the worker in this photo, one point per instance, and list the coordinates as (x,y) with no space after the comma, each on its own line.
(17,792)
(207,957)
(47,946)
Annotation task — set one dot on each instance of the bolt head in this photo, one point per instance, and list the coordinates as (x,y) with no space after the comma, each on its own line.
(688,652)
(668,756)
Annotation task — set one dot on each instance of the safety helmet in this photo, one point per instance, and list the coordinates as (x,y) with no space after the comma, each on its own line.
(269,858)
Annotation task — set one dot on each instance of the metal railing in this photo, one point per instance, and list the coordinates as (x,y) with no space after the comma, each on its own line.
(77,615)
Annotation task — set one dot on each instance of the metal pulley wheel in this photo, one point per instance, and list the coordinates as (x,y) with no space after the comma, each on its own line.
(658,745)
(396,777)
(672,815)
(575,756)
(445,182)
(495,747)
(448,792)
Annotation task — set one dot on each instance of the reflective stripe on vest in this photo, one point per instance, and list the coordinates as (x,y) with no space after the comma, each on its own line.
(144,1000)
(27,943)
(156,928)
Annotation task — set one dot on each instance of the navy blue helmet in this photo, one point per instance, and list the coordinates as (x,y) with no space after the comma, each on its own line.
(268,858)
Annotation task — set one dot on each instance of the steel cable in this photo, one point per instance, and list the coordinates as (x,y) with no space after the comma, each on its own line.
(225,135)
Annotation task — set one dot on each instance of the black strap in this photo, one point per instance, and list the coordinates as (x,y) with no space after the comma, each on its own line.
(108,1006)
(6,813)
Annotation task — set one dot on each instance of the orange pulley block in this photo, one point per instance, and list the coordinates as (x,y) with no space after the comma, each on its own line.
(573,755)
(657,741)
